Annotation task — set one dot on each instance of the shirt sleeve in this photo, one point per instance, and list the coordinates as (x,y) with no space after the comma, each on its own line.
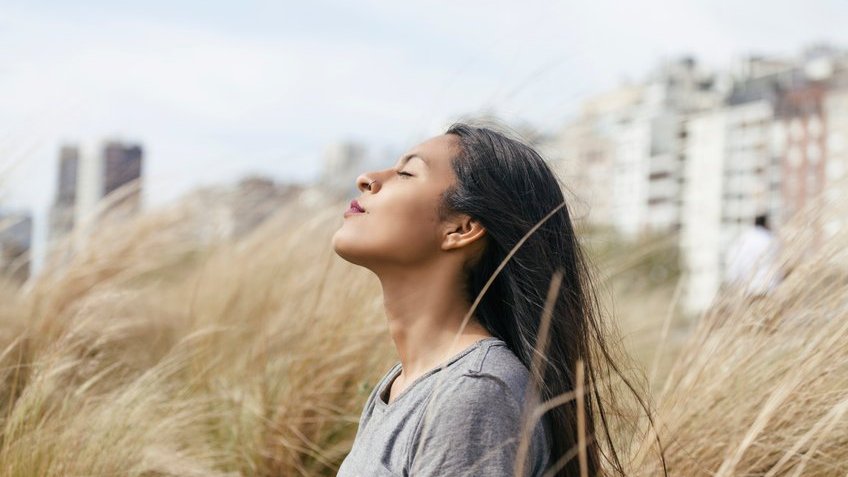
(472,427)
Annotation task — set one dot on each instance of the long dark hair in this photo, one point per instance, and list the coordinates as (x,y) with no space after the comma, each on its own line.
(507,186)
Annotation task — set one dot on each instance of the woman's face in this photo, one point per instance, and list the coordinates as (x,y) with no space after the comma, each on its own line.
(400,224)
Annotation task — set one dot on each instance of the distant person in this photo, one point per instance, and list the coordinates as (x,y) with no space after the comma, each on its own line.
(434,227)
(752,260)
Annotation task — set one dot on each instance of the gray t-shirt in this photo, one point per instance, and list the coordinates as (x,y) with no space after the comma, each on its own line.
(473,421)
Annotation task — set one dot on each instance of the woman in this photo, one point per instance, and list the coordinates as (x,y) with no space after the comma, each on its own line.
(434,228)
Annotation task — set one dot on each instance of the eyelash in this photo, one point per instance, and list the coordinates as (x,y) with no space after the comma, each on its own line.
(401,173)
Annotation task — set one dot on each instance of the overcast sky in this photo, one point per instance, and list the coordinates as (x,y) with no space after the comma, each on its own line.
(215,90)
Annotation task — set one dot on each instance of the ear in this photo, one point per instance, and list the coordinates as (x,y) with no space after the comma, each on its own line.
(461,231)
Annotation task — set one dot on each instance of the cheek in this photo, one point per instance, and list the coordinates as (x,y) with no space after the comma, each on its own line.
(401,232)
(405,231)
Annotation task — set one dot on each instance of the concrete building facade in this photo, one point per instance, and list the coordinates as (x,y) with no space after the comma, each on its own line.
(15,244)
(90,173)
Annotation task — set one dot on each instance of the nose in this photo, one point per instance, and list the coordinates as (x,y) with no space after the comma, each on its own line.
(363,181)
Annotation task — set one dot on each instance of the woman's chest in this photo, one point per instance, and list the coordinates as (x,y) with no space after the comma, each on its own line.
(381,447)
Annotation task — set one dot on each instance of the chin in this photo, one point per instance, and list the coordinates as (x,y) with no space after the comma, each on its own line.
(343,247)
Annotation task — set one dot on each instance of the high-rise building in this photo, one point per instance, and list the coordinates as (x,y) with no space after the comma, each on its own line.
(704,154)
(701,208)
(800,130)
(88,175)
(836,162)
(731,177)
(772,148)
(122,164)
(61,216)
(66,189)
(15,244)
(623,155)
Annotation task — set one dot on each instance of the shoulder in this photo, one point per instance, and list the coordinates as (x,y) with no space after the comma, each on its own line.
(495,362)
(486,394)
(467,418)
(469,394)
(474,419)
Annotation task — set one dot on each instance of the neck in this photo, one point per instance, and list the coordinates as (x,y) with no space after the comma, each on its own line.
(425,308)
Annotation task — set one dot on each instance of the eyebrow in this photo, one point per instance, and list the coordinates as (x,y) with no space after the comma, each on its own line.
(407,157)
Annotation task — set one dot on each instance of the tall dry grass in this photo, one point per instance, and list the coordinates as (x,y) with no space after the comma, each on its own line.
(760,386)
(152,352)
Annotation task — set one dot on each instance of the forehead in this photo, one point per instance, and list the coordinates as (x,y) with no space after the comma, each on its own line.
(436,152)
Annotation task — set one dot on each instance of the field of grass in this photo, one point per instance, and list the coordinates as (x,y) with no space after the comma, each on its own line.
(155,352)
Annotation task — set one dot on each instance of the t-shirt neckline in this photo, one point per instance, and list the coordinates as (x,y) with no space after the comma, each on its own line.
(395,371)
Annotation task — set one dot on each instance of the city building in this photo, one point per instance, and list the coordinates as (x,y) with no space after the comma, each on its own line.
(15,244)
(836,166)
(122,175)
(766,150)
(623,156)
(701,208)
(61,215)
(232,211)
(703,153)
(94,182)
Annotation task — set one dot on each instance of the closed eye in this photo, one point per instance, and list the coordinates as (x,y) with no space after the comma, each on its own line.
(401,173)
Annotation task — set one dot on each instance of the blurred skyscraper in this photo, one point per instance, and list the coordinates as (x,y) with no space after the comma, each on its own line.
(61,217)
(121,166)
(95,182)
(15,244)
(623,155)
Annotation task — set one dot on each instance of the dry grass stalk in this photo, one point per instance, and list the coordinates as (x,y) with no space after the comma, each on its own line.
(153,352)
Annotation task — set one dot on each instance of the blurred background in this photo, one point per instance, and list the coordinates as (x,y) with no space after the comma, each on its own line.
(683,116)
(224,139)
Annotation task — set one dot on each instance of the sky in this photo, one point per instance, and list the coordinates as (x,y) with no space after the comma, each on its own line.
(218,90)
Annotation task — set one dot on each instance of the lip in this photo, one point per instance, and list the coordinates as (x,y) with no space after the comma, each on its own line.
(354,209)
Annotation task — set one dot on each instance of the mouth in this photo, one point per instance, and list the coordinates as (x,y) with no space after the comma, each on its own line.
(354,208)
